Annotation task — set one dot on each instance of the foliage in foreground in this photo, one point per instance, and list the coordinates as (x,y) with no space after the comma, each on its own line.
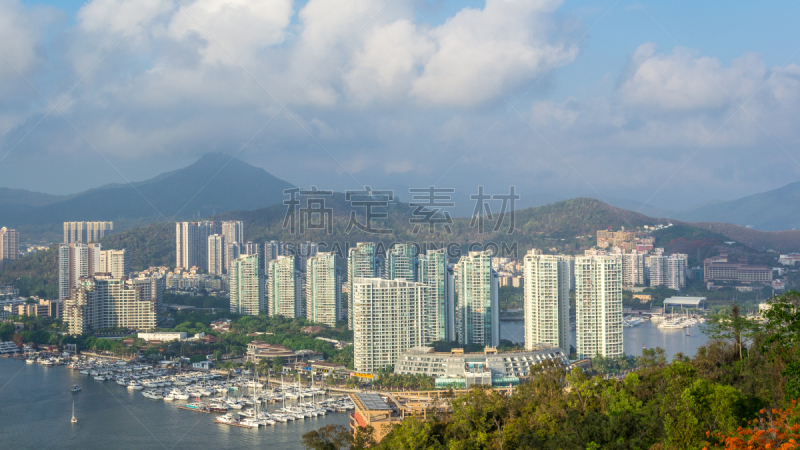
(718,399)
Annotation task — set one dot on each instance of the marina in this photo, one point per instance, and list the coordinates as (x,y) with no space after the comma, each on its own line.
(37,403)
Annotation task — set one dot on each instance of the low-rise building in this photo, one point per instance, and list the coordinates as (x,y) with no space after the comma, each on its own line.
(371,410)
(489,367)
(163,336)
(719,268)
(260,350)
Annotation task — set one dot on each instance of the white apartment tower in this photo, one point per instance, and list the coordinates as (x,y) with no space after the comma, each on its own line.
(400,263)
(103,302)
(85,232)
(547,280)
(76,260)
(439,315)
(285,288)
(598,301)
(113,262)
(9,246)
(669,270)
(272,249)
(386,320)
(477,310)
(216,255)
(633,265)
(247,286)
(360,264)
(233,230)
(191,243)
(323,289)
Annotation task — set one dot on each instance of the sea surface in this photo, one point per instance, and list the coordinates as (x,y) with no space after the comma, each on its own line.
(36,407)
(647,334)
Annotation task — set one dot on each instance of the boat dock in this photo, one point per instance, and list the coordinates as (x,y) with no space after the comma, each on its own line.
(194,409)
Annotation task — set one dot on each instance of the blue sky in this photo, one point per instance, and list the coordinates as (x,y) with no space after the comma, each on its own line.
(674,103)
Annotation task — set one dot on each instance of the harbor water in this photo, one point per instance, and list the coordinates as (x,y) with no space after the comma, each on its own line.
(36,407)
(647,334)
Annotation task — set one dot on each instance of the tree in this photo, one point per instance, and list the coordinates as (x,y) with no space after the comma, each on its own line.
(277,364)
(330,437)
(731,326)
(775,429)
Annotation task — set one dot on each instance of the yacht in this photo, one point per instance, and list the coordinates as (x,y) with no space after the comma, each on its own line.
(75,388)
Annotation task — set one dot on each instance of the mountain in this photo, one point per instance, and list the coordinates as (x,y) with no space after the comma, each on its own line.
(769,211)
(214,184)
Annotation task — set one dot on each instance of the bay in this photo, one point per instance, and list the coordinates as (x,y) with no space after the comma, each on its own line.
(36,407)
(673,341)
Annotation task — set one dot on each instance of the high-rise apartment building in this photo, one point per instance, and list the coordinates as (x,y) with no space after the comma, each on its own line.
(285,288)
(302,252)
(9,246)
(323,289)
(191,243)
(247,286)
(251,248)
(76,260)
(152,287)
(272,249)
(233,250)
(633,269)
(216,255)
(477,303)
(360,264)
(386,320)
(546,304)
(113,262)
(103,302)
(667,271)
(598,302)
(233,230)
(439,312)
(400,263)
(86,232)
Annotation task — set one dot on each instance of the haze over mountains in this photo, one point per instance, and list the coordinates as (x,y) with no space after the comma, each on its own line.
(218,183)
(214,184)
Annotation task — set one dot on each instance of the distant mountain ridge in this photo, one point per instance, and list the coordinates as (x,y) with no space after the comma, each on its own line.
(215,183)
(769,211)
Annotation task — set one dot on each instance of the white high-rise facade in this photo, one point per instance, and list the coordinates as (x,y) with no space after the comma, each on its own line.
(598,301)
(669,270)
(9,246)
(233,230)
(216,255)
(633,269)
(400,263)
(323,289)
(247,286)
(285,288)
(439,312)
(272,249)
(104,302)
(386,320)
(547,280)
(113,262)
(477,302)
(191,243)
(360,264)
(85,232)
(76,260)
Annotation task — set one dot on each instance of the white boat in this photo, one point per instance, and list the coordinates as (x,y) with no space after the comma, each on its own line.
(30,361)
(155,395)
(100,378)
(248,422)
(74,420)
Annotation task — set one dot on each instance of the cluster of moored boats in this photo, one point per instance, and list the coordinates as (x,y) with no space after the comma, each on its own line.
(210,393)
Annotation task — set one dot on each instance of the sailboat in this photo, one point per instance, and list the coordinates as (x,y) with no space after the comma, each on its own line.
(74,420)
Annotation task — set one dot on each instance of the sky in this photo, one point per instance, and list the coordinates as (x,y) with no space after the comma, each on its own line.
(670,103)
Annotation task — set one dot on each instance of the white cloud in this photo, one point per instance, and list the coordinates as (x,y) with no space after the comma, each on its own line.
(684,81)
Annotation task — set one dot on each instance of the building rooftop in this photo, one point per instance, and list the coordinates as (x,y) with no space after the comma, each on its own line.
(373,402)
(693,301)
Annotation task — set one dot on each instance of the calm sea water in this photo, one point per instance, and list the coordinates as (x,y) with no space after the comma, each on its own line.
(686,340)
(36,407)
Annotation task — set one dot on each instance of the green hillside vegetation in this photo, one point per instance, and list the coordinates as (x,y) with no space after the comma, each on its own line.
(35,274)
(690,403)
(149,245)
